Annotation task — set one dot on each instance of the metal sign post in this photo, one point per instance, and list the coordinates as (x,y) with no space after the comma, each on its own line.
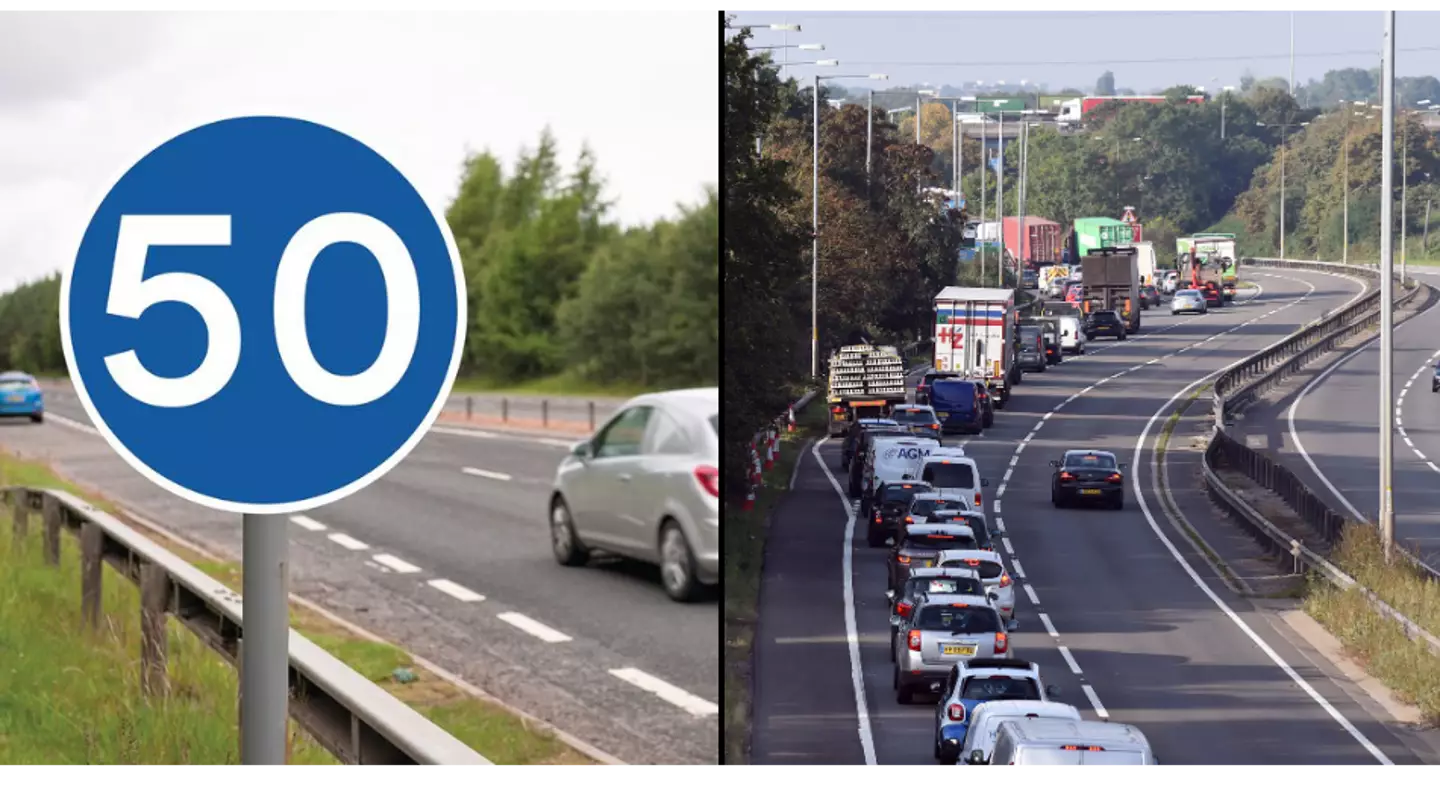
(323,293)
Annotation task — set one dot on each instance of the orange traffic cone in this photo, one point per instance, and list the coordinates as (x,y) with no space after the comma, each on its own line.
(749,501)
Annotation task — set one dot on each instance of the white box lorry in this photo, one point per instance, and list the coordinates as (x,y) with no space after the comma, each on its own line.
(975,336)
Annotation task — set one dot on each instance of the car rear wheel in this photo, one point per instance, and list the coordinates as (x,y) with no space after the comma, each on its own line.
(677,564)
(37,417)
(1118,503)
(565,543)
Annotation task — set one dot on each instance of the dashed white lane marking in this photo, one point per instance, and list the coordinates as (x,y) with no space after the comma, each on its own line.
(307,523)
(1000,492)
(395,563)
(996,507)
(1008,550)
(485,473)
(999,524)
(1095,701)
(347,542)
(533,627)
(675,696)
(1030,591)
(1019,571)
(450,588)
(1049,627)
(1070,660)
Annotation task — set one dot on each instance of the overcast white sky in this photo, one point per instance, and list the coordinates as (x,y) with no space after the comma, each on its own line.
(84,95)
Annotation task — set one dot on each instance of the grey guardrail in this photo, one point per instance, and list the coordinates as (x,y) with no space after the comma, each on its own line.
(543,412)
(1240,384)
(355,719)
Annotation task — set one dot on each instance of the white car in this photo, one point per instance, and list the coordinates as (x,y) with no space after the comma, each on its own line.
(998,584)
(1170,282)
(986,718)
(952,474)
(1188,300)
(1072,335)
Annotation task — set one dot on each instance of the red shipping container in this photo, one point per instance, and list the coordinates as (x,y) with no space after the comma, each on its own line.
(1043,246)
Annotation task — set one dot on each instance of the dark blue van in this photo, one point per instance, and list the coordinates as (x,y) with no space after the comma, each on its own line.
(957,404)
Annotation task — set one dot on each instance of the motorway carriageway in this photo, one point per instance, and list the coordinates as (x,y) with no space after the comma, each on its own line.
(448,555)
(1328,427)
(1115,607)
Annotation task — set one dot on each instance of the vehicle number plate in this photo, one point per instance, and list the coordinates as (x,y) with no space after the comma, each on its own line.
(929,563)
(14,397)
(1089,491)
(943,415)
(958,649)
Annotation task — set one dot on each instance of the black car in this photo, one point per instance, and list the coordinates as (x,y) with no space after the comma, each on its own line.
(1104,322)
(985,537)
(856,433)
(863,445)
(922,506)
(938,581)
(922,388)
(920,420)
(891,502)
(1086,475)
(921,548)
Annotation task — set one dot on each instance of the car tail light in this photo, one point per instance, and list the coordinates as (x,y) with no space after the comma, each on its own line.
(914,640)
(709,478)
(956,712)
(1004,579)
(1066,476)
(837,410)
(935,426)
(909,520)
(904,608)
(977,500)
(877,518)
(1002,642)
(1114,478)
(902,559)
(1093,748)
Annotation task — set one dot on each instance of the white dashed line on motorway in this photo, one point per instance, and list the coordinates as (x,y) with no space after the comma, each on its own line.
(1019,571)
(1070,660)
(1030,591)
(307,523)
(1000,492)
(1095,701)
(485,473)
(1049,627)
(996,507)
(1000,524)
(1008,550)
(450,588)
(675,696)
(395,563)
(347,542)
(533,627)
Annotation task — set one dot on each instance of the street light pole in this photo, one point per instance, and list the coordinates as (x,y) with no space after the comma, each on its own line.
(869,135)
(984,181)
(815,237)
(1345,215)
(1387,293)
(1404,202)
(1284,130)
(1000,204)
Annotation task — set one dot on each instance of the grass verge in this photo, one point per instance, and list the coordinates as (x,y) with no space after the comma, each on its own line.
(563,384)
(71,695)
(744,558)
(1406,666)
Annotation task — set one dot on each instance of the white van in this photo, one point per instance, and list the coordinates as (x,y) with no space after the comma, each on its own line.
(985,723)
(1067,741)
(1072,336)
(953,474)
(893,458)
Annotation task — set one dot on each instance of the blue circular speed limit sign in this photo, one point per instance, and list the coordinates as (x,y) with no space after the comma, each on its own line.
(263,315)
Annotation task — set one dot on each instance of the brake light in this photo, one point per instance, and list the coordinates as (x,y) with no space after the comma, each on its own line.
(935,426)
(902,559)
(910,520)
(1066,476)
(1114,478)
(904,608)
(1094,748)
(973,562)
(709,478)
(1002,643)
(914,640)
(837,410)
(977,500)
(957,712)
(1005,579)
(877,518)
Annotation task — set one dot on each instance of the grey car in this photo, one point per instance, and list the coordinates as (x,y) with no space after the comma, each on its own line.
(943,630)
(646,486)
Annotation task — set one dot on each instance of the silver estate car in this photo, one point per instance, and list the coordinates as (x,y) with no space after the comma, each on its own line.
(1188,300)
(646,486)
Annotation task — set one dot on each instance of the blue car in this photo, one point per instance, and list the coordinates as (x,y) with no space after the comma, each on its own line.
(978,681)
(20,395)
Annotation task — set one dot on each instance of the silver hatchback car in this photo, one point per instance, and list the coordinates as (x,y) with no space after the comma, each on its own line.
(646,486)
(941,631)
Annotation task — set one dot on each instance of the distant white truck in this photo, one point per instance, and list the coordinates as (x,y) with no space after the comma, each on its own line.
(975,336)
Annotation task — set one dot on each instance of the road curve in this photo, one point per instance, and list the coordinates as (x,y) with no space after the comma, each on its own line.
(1127,631)
(600,651)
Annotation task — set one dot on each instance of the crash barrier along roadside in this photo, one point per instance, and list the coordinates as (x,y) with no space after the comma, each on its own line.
(1242,383)
(352,717)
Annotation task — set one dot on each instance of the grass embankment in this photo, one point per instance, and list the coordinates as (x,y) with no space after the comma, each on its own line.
(564,384)
(744,556)
(71,695)
(1408,667)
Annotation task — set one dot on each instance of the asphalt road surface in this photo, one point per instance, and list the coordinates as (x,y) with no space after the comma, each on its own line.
(599,651)
(1113,605)
(1327,430)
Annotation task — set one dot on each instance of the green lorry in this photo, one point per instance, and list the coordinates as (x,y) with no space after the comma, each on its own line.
(1096,232)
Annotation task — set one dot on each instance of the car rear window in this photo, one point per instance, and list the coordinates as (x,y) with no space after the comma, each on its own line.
(976,523)
(956,389)
(941,540)
(960,620)
(949,475)
(944,585)
(1000,686)
(899,494)
(924,508)
(987,570)
(1078,461)
(913,416)
(1029,333)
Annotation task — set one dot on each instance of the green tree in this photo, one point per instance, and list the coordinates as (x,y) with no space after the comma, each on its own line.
(1105,85)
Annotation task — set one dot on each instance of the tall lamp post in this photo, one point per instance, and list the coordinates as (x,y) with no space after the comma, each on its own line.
(1387,289)
(815,47)
(815,212)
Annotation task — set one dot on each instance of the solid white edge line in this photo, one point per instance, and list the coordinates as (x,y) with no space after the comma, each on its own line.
(852,635)
(1049,627)
(450,588)
(347,542)
(1070,660)
(395,563)
(675,696)
(307,523)
(71,423)
(533,627)
(1229,613)
(1095,701)
(485,473)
